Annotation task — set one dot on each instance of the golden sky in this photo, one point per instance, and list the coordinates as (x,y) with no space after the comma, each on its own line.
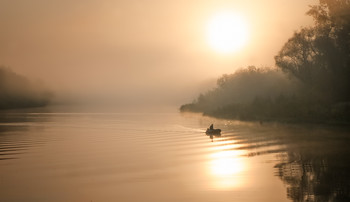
(153,46)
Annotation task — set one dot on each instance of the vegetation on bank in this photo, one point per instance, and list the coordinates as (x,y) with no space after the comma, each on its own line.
(311,82)
(17,91)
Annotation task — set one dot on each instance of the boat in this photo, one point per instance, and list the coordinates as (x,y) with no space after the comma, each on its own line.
(213,131)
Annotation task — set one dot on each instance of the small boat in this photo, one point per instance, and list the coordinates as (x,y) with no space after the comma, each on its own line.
(213,131)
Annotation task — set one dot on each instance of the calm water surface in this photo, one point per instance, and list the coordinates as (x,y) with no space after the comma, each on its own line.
(167,157)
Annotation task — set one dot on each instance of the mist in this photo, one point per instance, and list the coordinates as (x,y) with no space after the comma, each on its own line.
(17,91)
(309,84)
(187,100)
(134,52)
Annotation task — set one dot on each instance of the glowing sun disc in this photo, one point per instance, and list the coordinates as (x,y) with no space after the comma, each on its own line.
(226,32)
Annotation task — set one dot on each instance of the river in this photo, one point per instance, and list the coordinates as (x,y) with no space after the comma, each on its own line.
(86,157)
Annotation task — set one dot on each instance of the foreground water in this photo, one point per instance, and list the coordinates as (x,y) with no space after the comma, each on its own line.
(167,157)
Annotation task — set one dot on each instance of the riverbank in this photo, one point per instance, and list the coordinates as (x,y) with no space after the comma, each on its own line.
(337,114)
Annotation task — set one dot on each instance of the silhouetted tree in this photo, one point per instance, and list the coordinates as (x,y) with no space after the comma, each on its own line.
(17,91)
(317,56)
(320,55)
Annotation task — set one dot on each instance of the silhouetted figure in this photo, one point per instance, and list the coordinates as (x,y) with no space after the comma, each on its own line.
(211,127)
(212,131)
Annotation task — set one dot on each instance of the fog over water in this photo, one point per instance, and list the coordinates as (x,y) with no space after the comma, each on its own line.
(184,101)
(153,51)
(167,156)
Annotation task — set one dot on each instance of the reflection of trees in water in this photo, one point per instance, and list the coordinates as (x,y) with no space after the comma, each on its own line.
(317,173)
(319,57)
(314,160)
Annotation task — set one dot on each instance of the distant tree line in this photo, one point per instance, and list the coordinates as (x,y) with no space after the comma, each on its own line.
(311,82)
(17,91)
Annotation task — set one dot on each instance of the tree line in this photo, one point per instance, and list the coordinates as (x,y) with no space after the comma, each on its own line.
(17,91)
(311,82)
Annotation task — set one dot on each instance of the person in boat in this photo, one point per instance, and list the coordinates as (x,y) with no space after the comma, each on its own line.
(211,127)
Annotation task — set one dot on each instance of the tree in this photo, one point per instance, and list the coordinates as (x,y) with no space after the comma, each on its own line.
(17,91)
(319,56)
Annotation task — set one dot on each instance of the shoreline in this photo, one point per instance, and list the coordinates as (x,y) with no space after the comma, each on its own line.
(264,120)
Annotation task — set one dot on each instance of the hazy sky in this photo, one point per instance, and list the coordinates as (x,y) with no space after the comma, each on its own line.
(153,48)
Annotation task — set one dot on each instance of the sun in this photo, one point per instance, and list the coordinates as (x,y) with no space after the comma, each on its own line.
(227,32)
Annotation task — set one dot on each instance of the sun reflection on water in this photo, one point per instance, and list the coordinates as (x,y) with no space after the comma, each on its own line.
(226,169)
